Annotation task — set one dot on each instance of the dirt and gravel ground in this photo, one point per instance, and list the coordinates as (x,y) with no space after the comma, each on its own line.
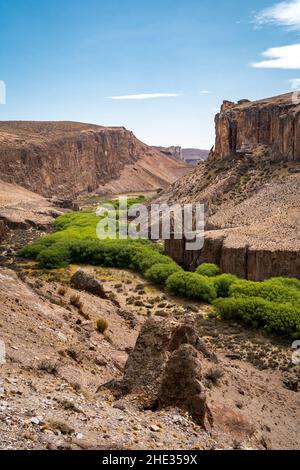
(56,361)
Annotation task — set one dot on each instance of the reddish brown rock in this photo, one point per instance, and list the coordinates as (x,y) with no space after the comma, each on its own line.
(65,158)
(250,188)
(269,126)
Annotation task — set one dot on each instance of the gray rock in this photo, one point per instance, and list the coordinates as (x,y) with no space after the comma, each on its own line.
(83,281)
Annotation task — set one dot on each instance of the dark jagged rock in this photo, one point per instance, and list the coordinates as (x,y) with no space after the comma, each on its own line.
(181,383)
(83,281)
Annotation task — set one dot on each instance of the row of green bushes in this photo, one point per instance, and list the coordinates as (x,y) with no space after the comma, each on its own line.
(281,319)
(273,304)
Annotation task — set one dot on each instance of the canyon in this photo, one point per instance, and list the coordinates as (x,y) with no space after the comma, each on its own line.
(166,372)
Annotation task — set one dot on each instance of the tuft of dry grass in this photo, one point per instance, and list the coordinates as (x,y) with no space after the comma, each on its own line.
(75,300)
(102,325)
(49,367)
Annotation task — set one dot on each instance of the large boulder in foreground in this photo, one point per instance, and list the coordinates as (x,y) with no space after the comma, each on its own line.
(181,383)
(164,369)
(85,282)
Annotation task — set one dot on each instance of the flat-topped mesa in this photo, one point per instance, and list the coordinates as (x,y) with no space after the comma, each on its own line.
(267,128)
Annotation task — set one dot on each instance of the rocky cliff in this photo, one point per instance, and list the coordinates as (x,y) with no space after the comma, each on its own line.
(65,158)
(269,127)
(250,187)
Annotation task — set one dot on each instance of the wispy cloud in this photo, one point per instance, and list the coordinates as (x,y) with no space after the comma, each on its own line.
(205,92)
(286,57)
(282,14)
(295,83)
(143,96)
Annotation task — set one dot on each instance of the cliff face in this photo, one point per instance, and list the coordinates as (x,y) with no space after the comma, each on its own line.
(250,187)
(268,127)
(68,158)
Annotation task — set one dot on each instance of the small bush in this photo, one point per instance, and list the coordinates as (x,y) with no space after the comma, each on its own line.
(102,325)
(214,376)
(144,259)
(76,301)
(62,291)
(222,284)
(64,428)
(281,319)
(192,285)
(49,367)
(208,269)
(159,273)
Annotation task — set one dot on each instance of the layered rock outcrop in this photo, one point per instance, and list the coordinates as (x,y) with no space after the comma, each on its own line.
(64,159)
(250,187)
(267,127)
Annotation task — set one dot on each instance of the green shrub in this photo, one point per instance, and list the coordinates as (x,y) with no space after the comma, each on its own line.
(145,258)
(208,269)
(282,319)
(159,273)
(285,281)
(268,290)
(56,256)
(222,284)
(192,285)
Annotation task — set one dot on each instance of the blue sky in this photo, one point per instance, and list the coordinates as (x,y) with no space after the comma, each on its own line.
(80,59)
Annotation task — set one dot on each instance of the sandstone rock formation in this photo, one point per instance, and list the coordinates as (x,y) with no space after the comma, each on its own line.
(268,127)
(64,159)
(250,188)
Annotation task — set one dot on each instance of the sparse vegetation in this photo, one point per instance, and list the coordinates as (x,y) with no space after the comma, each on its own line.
(48,367)
(64,428)
(102,325)
(76,301)
(62,290)
(214,375)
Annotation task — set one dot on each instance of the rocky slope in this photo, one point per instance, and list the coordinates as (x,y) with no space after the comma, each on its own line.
(21,208)
(58,371)
(66,158)
(250,186)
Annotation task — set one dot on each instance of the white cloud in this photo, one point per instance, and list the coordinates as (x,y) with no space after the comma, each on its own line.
(295,83)
(286,57)
(144,96)
(282,14)
(205,92)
